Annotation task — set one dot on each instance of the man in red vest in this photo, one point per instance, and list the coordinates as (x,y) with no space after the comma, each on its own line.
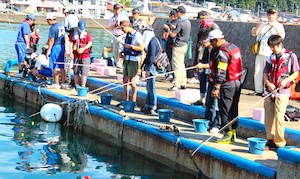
(226,71)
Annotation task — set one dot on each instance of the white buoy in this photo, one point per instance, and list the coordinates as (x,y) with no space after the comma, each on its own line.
(2,109)
(51,112)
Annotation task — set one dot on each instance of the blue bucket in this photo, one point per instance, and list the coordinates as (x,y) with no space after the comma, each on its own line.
(82,91)
(164,115)
(106,98)
(256,145)
(201,125)
(128,106)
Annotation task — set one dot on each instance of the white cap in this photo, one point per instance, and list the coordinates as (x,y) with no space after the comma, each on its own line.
(51,15)
(215,34)
(33,55)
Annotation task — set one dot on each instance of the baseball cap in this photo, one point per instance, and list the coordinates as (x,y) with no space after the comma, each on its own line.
(135,10)
(181,9)
(215,34)
(31,16)
(203,14)
(272,11)
(117,6)
(50,15)
(33,55)
(173,12)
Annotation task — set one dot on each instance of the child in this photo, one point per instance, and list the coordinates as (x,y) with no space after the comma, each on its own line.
(281,69)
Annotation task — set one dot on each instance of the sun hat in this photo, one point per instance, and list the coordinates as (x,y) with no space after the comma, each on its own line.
(215,34)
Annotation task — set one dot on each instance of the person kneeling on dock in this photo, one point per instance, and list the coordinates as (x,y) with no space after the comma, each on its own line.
(133,48)
(281,69)
(227,74)
(80,46)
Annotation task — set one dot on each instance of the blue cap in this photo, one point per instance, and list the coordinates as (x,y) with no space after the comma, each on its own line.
(31,16)
(81,25)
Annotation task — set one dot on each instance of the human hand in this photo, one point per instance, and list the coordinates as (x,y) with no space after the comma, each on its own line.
(215,93)
(271,87)
(80,50)
(283,83)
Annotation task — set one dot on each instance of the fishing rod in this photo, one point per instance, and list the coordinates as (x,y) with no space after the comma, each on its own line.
(235,119)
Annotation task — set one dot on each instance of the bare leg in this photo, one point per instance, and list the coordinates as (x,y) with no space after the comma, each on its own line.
(83,80)
(126,91)
(133,88)
(63,75)
(76,79)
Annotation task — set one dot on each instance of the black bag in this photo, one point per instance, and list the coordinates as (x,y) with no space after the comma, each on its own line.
(161,60)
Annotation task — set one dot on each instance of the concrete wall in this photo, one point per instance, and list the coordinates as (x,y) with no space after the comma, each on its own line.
(240,34)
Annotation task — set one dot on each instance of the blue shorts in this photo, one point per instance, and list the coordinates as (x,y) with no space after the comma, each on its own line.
(46,72)
(57,55)
(21,51)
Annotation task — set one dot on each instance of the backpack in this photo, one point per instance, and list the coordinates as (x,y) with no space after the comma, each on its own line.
(161,60)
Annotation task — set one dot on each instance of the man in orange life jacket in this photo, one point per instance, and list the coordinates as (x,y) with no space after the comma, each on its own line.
(227,70)
(281,69)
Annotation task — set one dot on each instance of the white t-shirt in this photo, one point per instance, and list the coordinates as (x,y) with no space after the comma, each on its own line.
(264,47)
(71,21)
(136,39)
(41,61)
(119,18)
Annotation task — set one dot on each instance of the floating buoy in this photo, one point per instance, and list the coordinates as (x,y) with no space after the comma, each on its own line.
(51,112)
(2,109)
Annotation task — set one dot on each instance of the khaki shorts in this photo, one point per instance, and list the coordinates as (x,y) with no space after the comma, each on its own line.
(130,68)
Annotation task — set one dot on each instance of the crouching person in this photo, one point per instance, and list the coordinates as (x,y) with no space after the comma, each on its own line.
(152,50)
(281,69)
(80,46)
(41,68)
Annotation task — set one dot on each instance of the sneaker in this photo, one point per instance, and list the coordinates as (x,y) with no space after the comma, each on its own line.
(169,77)
(64,86)
(172,80)
(214,130)
(193,80)
(173,88)
(77,86)
(198,103)
(54,86)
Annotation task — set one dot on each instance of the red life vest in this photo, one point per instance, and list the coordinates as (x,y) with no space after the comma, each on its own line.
(281,68)
(235,67)
(81,42)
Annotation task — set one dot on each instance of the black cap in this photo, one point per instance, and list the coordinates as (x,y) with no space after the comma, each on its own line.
(203,14)
(181,9)
(135,10)
(272,11)
(117,6)
(173,12)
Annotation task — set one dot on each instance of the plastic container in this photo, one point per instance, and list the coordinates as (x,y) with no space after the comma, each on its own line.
(164,115)
(82,91)
(128,106)
(256,145)
(106,98)
(201,125)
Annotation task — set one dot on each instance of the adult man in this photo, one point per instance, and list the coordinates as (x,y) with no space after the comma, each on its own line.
(182,34)
(70,23)
(151,99)
(206,25)
(119,36)
(171,23)
(71,20)
(41,68)
(281,69)
(262,33)
(227,71)
(80,45)
(137,23)
(22,42)
(56,50)
(133,48)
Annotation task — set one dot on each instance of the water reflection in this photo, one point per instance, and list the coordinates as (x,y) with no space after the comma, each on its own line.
(37,149)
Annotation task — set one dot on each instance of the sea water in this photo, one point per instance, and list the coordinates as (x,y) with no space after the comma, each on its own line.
(32,148)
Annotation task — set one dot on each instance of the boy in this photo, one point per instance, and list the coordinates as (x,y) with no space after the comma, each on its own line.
(281,69)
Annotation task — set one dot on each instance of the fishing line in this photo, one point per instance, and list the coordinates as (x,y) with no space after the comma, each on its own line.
(235,119)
